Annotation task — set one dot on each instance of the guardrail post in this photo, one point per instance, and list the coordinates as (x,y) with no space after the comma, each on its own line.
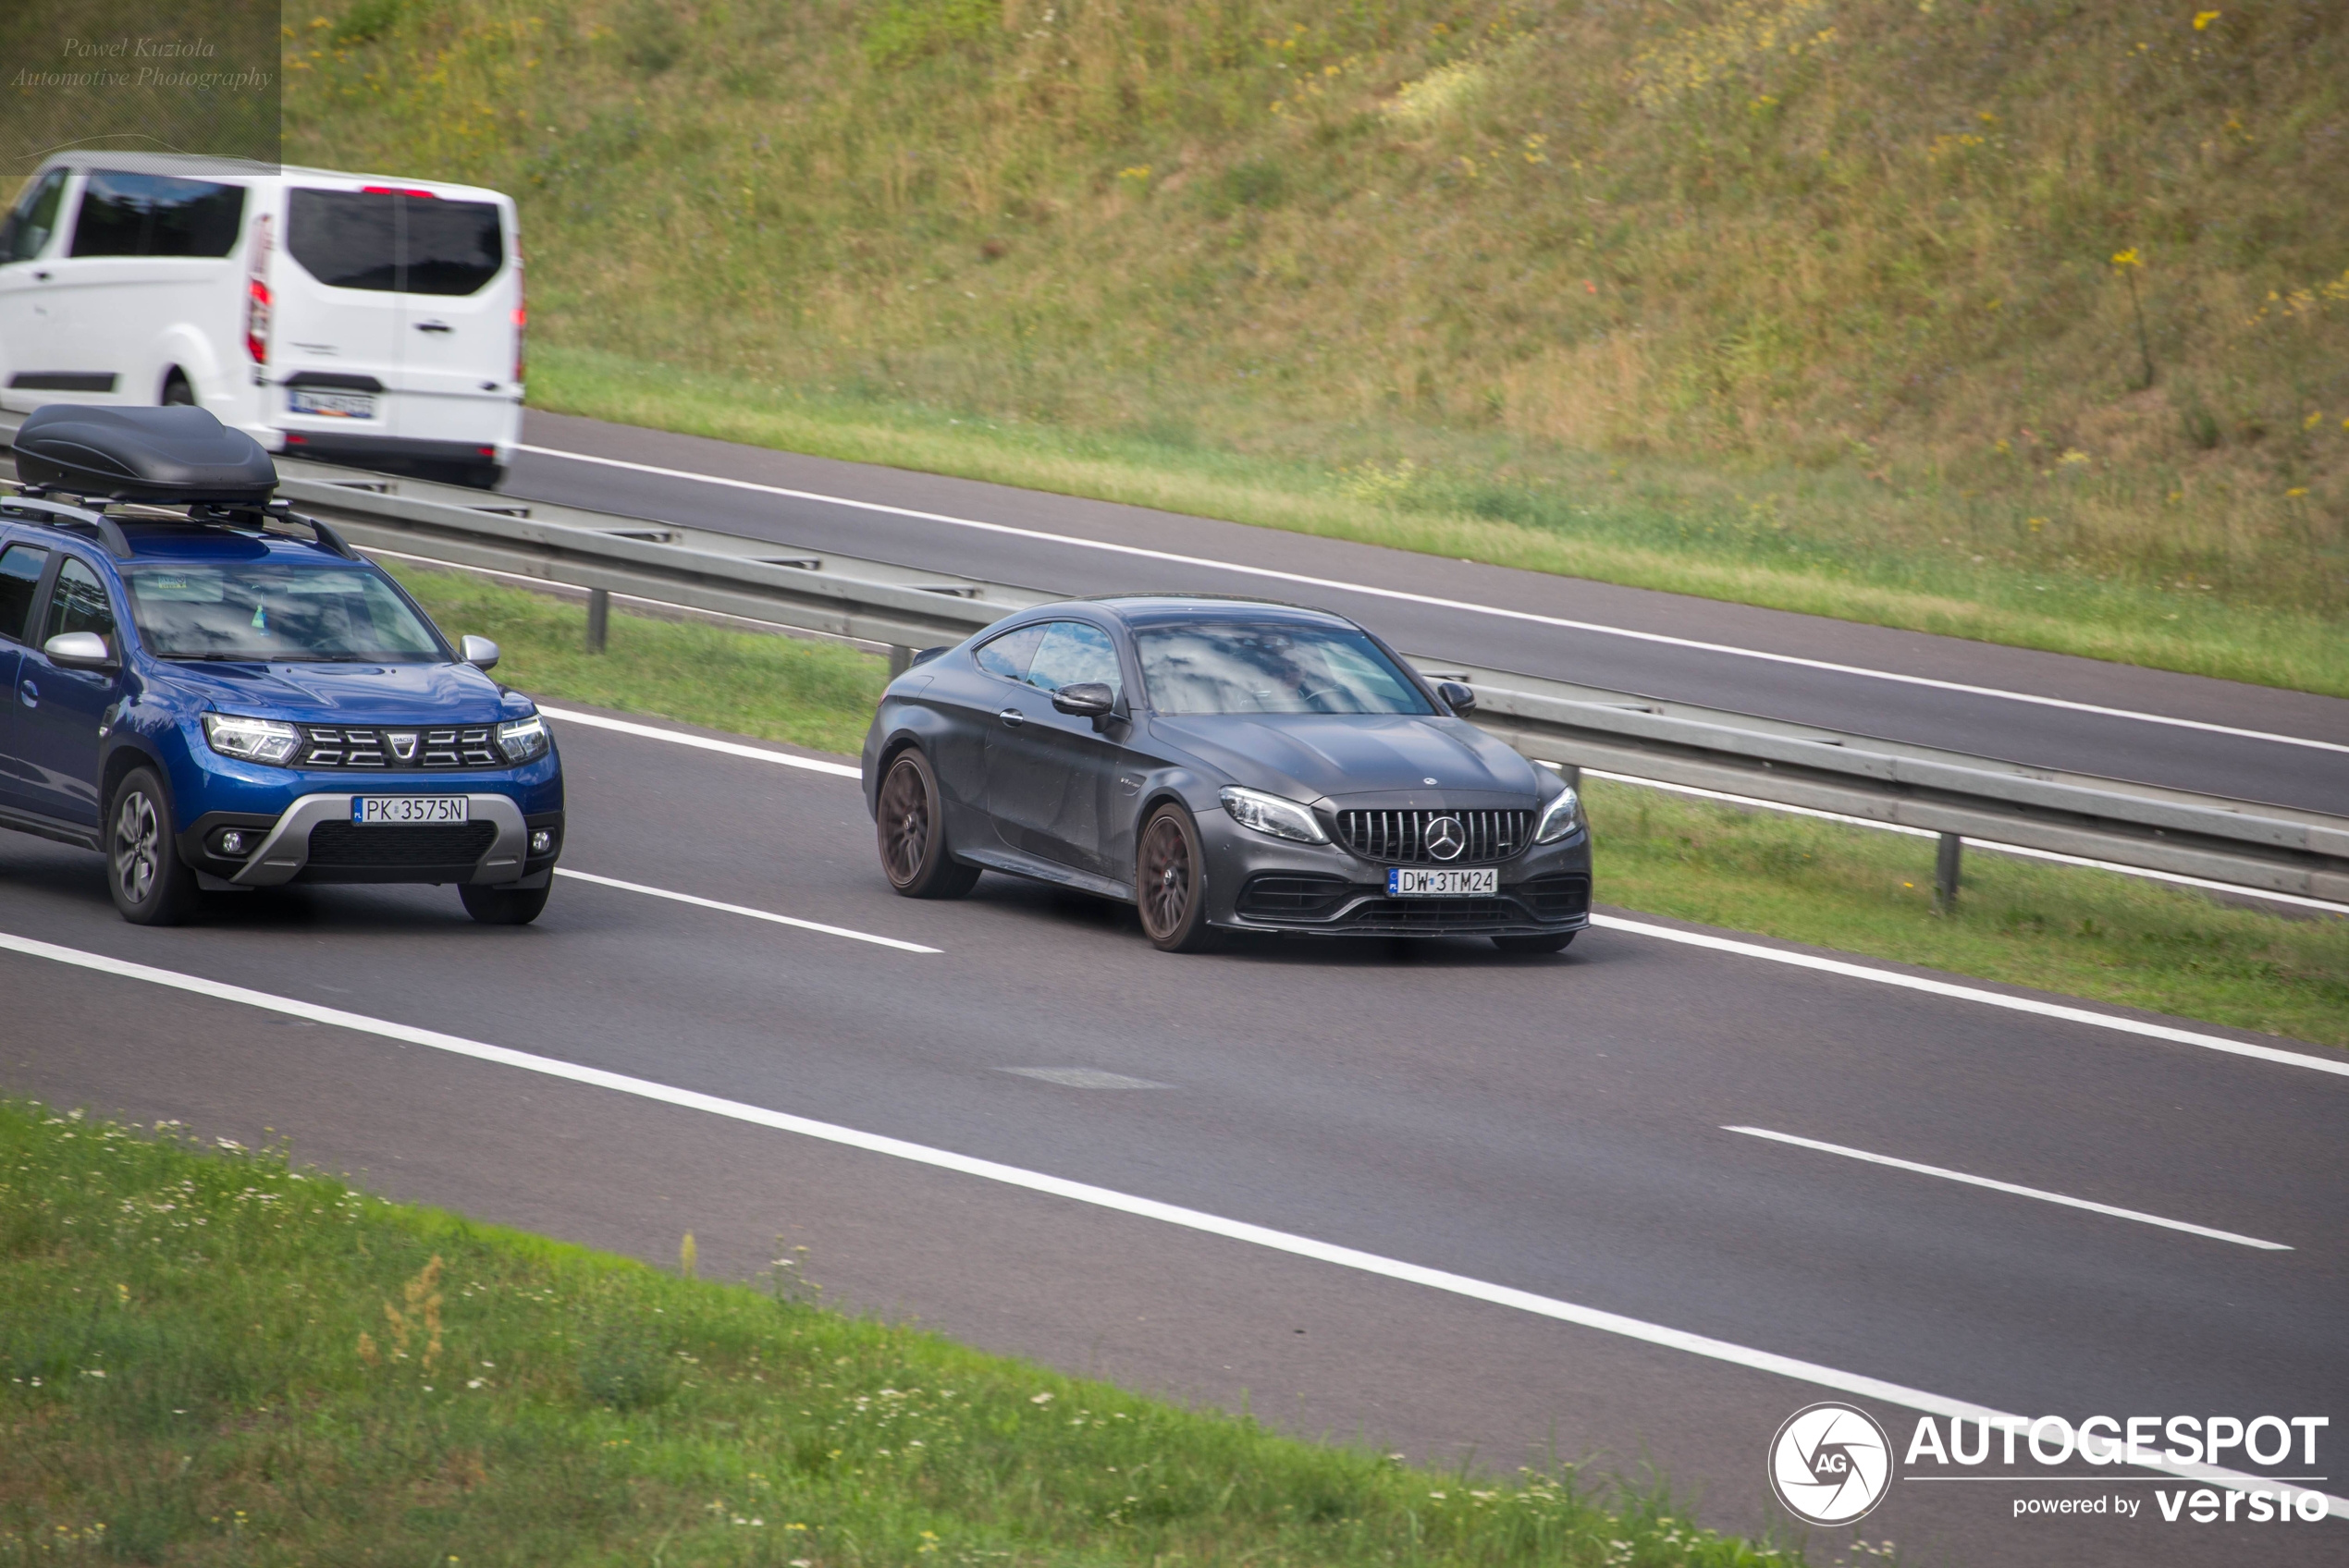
(598,618)
(900,661)
(1945,874)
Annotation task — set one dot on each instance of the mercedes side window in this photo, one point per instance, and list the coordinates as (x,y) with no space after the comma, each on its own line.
(1072,653)
(155,214)
(78,603)
(29,227)
(1010,654)
(20,566)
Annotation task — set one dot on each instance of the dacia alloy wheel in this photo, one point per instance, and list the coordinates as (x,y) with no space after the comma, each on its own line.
(1168,884)
(150,884)
(138,836)
(909,819)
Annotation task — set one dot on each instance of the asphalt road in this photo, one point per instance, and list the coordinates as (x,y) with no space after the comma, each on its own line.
(1555,1125)
(2108,743)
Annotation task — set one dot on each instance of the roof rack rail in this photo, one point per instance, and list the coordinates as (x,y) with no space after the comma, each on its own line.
(29,506)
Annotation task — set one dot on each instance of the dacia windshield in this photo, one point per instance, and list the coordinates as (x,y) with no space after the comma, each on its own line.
(278,612)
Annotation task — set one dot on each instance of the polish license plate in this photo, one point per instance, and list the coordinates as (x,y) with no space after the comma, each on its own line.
(399,811)
(330,405)
(1407,884)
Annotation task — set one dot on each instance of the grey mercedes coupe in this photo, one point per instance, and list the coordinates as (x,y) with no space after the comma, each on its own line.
(1223,764)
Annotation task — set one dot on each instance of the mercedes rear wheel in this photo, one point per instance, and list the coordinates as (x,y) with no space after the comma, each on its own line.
(910,820)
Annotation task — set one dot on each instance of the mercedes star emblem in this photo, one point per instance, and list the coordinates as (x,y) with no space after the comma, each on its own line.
(1446,838)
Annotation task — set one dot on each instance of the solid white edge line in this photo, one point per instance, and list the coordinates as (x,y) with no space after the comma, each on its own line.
(1100,1197)
(1666,933)
(1975,993)
(731,748)
(745,911)
(2040,1193)
(2264,894)
(1435,602)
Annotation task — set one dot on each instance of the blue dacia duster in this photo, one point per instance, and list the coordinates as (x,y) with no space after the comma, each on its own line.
(213,701)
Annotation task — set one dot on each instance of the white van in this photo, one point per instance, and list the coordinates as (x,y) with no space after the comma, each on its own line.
(347,317)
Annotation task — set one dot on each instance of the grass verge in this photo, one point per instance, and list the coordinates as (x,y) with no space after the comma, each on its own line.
(803,693)
(212,1357)
(2091,934)
(1647,523)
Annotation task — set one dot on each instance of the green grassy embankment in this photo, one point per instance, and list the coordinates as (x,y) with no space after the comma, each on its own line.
(2091,934)
(210,1357)
(1802,303)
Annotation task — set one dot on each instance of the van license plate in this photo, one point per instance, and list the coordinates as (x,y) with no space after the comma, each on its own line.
(1402,884)
(330,405)
(381,811)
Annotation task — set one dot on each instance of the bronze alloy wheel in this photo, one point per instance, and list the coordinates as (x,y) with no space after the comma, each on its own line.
(1170,883)
(911,825)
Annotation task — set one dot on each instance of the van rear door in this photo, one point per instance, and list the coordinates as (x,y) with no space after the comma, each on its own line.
(463,284)
(336,329)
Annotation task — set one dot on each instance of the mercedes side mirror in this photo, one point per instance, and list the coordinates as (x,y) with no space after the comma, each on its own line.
(1458,698)
(479,652)
(1086,699)
(79,650)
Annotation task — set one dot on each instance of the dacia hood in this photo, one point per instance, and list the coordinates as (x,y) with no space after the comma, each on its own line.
(351,694)
(1346,756)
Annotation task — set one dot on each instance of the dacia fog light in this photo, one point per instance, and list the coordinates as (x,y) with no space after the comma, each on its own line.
(542,841)
(251,739)
(524,739)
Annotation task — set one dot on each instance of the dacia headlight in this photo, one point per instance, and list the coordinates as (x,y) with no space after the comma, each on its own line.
(1270,813)
(524,739)
(1561,817)
(252,740)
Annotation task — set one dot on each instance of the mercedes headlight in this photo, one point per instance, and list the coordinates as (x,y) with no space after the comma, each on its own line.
(1270,813)
(1561,817)
(524,739)
(252,740)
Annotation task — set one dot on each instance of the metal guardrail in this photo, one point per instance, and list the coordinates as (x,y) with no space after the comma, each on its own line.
(2243,844)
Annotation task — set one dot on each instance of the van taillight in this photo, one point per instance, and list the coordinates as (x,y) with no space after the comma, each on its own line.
(522,312)
(257,301)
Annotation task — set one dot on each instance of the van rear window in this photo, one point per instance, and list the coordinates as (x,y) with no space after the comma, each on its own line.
(155,214)
(393,243)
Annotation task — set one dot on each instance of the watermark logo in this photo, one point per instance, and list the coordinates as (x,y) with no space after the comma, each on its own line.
(1831,1463)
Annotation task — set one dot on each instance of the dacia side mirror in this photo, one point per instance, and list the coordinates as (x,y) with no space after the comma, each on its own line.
(1460,699)
(1086,699)
(479,652)
(79,650)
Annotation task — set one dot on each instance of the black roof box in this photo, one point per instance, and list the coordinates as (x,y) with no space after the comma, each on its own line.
(175,454)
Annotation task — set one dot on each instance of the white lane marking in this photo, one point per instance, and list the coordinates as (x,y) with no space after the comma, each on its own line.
(2043,1196)
(2262,894)
(1435,602)
(731,748)
(1083,1078)
(745,911)
(1100,1197)
(1975,993)
(1724,944)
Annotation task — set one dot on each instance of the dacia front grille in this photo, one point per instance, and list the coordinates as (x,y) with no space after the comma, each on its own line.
(398,746)
(1413,838)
